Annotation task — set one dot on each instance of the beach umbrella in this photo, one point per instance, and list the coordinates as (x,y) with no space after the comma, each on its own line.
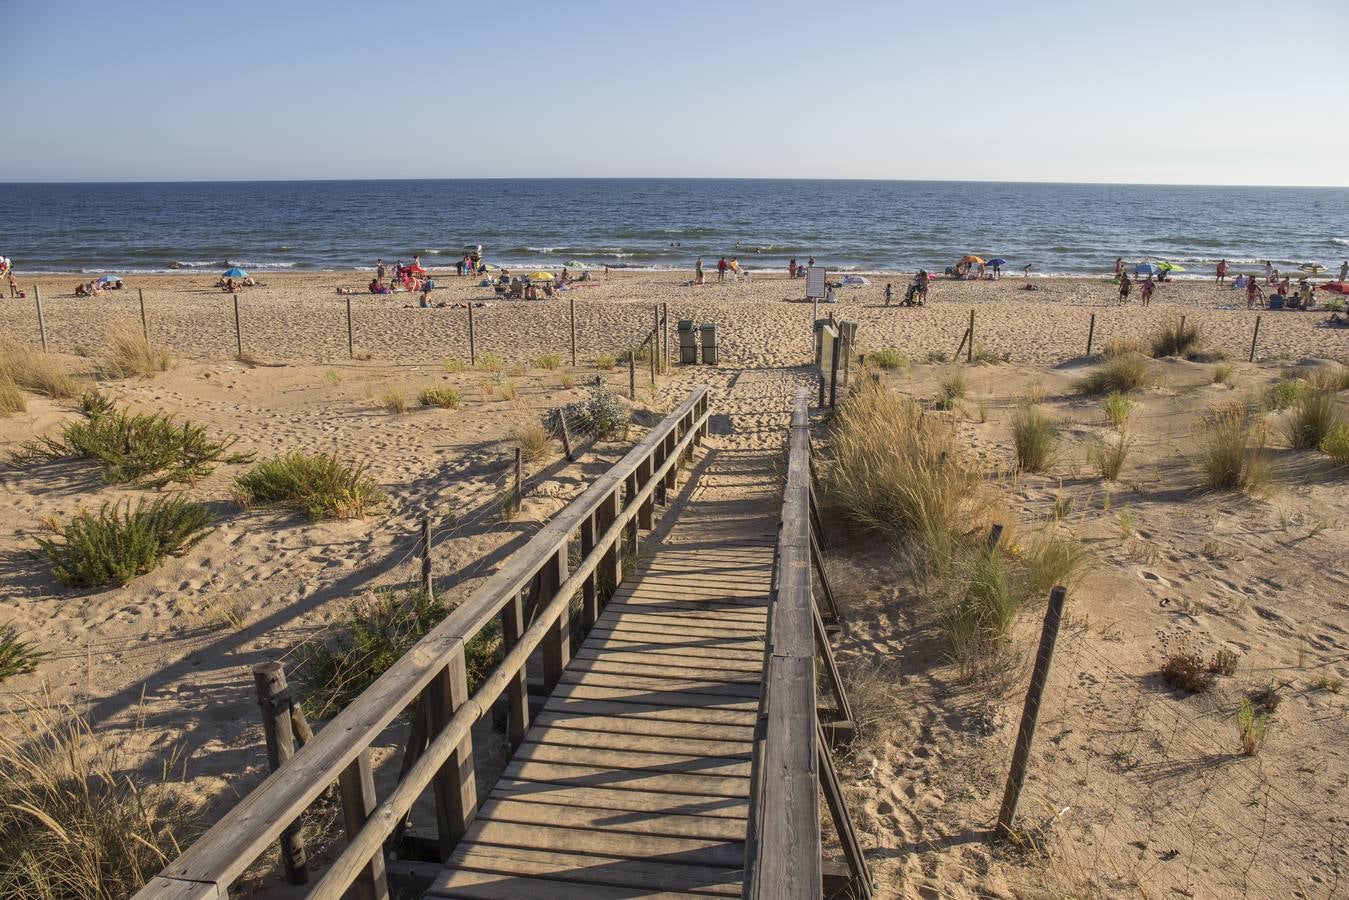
(234,272)
(541,276)
(997,261)
(972,260)
(1147,269)
(1169,267)
(854,281)
(574,264)
(109,279)
(1312,268)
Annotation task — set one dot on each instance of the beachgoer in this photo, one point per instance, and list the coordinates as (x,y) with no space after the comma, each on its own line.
(981,270)
(1025,270)
(1125,285)
(1269,271)
(721,269)
(924,280)
(735,266)
(997,270)
(1119,266)
(1253,292)
(13,284)
(1304,293)
(811,263)
(829,295)
(791,268)
(1344,270)
(381,271)
(887,293)
(1222,271)
(1146,293)
(1239,282)
(698,271)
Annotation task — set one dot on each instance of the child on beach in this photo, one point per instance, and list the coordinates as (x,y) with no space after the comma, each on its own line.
(887,293)
(1253,292)
(1222,270)
(1125,285)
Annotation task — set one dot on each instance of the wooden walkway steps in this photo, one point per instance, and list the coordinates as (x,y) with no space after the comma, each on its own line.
(634,779)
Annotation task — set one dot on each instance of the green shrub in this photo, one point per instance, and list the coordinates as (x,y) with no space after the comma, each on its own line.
(1035,438)
(1252,727)
(601,414)
(1108,456)
(1285,391)
(1175,339)
(1313,416)
(320,484)
(371,636)
(1121,374)
(549,361)
(1117,409)
(1222,374)
(442,396)
(1336,444)
(1231,448)
(17,656)
(146,449)
(118,542)
(605,361)
(36,371)
(11,398)
(490,362)
(890,358)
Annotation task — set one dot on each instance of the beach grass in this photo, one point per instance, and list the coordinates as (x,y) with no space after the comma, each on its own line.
(1117,374)
(1035,438)
(36,371)
(320,484)
(126,353)
(121,541)
(442,396)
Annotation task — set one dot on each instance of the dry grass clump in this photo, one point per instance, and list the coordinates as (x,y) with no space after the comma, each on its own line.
(1231,448)
(119,542)
(76,819)
(1314,415)
(567,380)
(1119,374)
(1117,409)
(320,484)
(1119,347)
(605,361)
(442,396)
(1050,559)
(535,440)
(549,361)
(1333,377)
(1336,445)
(394,399)
(1175,338)
(491,363)
(507,389)
(453,365)
(11,398)
(953,387)
(889,358)
(1186,669)
(1222,374)
(1035,438)
(127,352)
(35,371)
(1107,456)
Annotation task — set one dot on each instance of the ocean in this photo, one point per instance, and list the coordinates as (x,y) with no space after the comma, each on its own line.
(1068,229)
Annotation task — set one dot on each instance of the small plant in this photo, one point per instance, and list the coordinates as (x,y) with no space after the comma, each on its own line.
(17,656)
(442,396)
(1126,523)
(1223,662)
(1313,417)
(1108,455)
(491,363)
(1117,409)
(1185,670)
(535,440)
(394,399)
(1122,374)
(127,352)
(453,365)
(890,358)
(144,449)
(937,356)
(601,414)
(1035,438)
(1252,727)
(567,380)
(1174,339)
(1034,394)
(114,545)
(638,354)
(1336,444)
(517,371)
(36,371)
(321,485)
(1329,683)
(507,389)
(11,398)
(1049,559)
(549,361)
(1222,374)
(953,387)
(332,378)
(605,362)
(1231,448)
(1284,392)
(1063,505)
(1119,347)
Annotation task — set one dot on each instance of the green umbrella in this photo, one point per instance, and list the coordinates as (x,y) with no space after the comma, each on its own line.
(1170,267)
(574,264)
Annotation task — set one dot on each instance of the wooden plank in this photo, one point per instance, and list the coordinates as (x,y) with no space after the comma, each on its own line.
(638,644)
(663,803)
(666,699)
(471,884)
(648,759)
(602,870)
(727,665)
(618,723)
(648,634)
(618,844)
(665,743)
(673,620)
(649,711)
(161,888)
(658,683)
(666,667)
(716,828)
(658,606)
(629,779)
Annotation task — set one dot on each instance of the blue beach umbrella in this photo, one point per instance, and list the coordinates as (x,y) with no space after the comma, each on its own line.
(235,272)
(997,261)
(1147,269)
(109,279)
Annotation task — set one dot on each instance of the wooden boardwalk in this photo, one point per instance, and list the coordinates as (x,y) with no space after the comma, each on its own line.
(634,779)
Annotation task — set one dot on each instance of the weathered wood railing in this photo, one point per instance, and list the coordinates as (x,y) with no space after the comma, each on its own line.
(792,765)
(532,597)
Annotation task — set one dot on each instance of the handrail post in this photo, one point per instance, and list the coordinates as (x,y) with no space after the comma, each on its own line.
(357,786)
(557,645)
(274,696)
(517,692)
(645,512)
(609,573)
(590,595)
(455,785)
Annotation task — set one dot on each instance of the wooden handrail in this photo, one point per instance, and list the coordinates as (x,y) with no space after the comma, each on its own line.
(242,835)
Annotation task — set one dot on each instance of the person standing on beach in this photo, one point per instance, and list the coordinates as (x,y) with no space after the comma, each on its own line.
(1119,266)
(381,271)
(791,268)
(1222,271)
(13,284)
(735,266)
(721,269)
(1344,270)
(1146,293)
(698,271)
(887,293)
(1025,270)
(1253,292)
(1269,272)
(1125,285)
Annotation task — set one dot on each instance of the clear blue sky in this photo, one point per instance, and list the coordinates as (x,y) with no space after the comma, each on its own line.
(1186,91)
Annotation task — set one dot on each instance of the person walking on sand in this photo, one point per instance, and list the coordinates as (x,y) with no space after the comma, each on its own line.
(1119,266)
(791,268)
(735,267)
(13,284)
(381,271)
(1253,292)
(698,271)
(1269,272)
(1344,270)
(721,269)
(1125,285)
(1025,270)
(1147,288)
(1222,271)
(888,293)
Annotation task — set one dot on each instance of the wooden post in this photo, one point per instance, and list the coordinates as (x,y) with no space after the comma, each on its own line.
(566,436)
(964,336)
(455,785)
(833,371)
(357,786)
(517,692)
(238,332)
(610,570)
(1182,324)
(994,536)
(665,337)
(1255,337)
(655,332)
(472,345)
(351,334)
(821,379)
(571,313)
(427,587)
(1026,734)
(556,642)
(652,344)
(145,325)
(969,351)
(519,492)
(41,321)
(274,697)
(632,373)
(1091,332)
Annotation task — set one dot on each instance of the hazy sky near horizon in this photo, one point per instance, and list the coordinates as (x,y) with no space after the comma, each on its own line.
(1191,92)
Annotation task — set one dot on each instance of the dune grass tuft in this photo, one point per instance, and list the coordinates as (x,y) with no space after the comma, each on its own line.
(535,440)
(1117,409)
(605,361)
(1035,438)
(127,353)
(320,484)
(1336,445)
(1313,416)
(453,365)
(1222,374)
(1117,374)
(953,387)
(11,398)
(1175,338)
(1286,390)
(394,399)
(1231,448)
(442,396)
(36,371)
(491,363)
(1107,456)
(889,358)
(17,656)
(119,542)
(549,361)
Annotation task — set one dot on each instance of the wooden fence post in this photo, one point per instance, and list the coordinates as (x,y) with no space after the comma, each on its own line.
(969,352)
(571,312)
(566,436)
(351,334)
(1026,734)
(427,587)
(652,361)
(632,373)
(145,324)
(472,345)
(1255,337)
(41,321)
(357,787)
(519,491)
(274,698)
(665,337)
(655,333)
(833,370)
(964,336)
(1091,332)
(238,332)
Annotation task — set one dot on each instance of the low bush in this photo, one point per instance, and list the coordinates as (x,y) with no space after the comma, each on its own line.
(147,449)
(36,371)
(601,414)
(1336,444)
(371,636)
(1313,416)
(127,352)
(605,361)
(1118,374)
(442,396)
(549,361)
(1284,392)
(1231,448)
(394,399)
(76,818)
(890,358)
(17,656)
(490,362)
(11,398)
(953,387)
(1107,456)
(1035,438)
(319,484)
(1222,374)
(1175,338)
(1117,409)
(1185,670)
(119,542)
(535,440)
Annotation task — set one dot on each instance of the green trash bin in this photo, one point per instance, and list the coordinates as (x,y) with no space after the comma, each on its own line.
(688,342)
(709,335)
